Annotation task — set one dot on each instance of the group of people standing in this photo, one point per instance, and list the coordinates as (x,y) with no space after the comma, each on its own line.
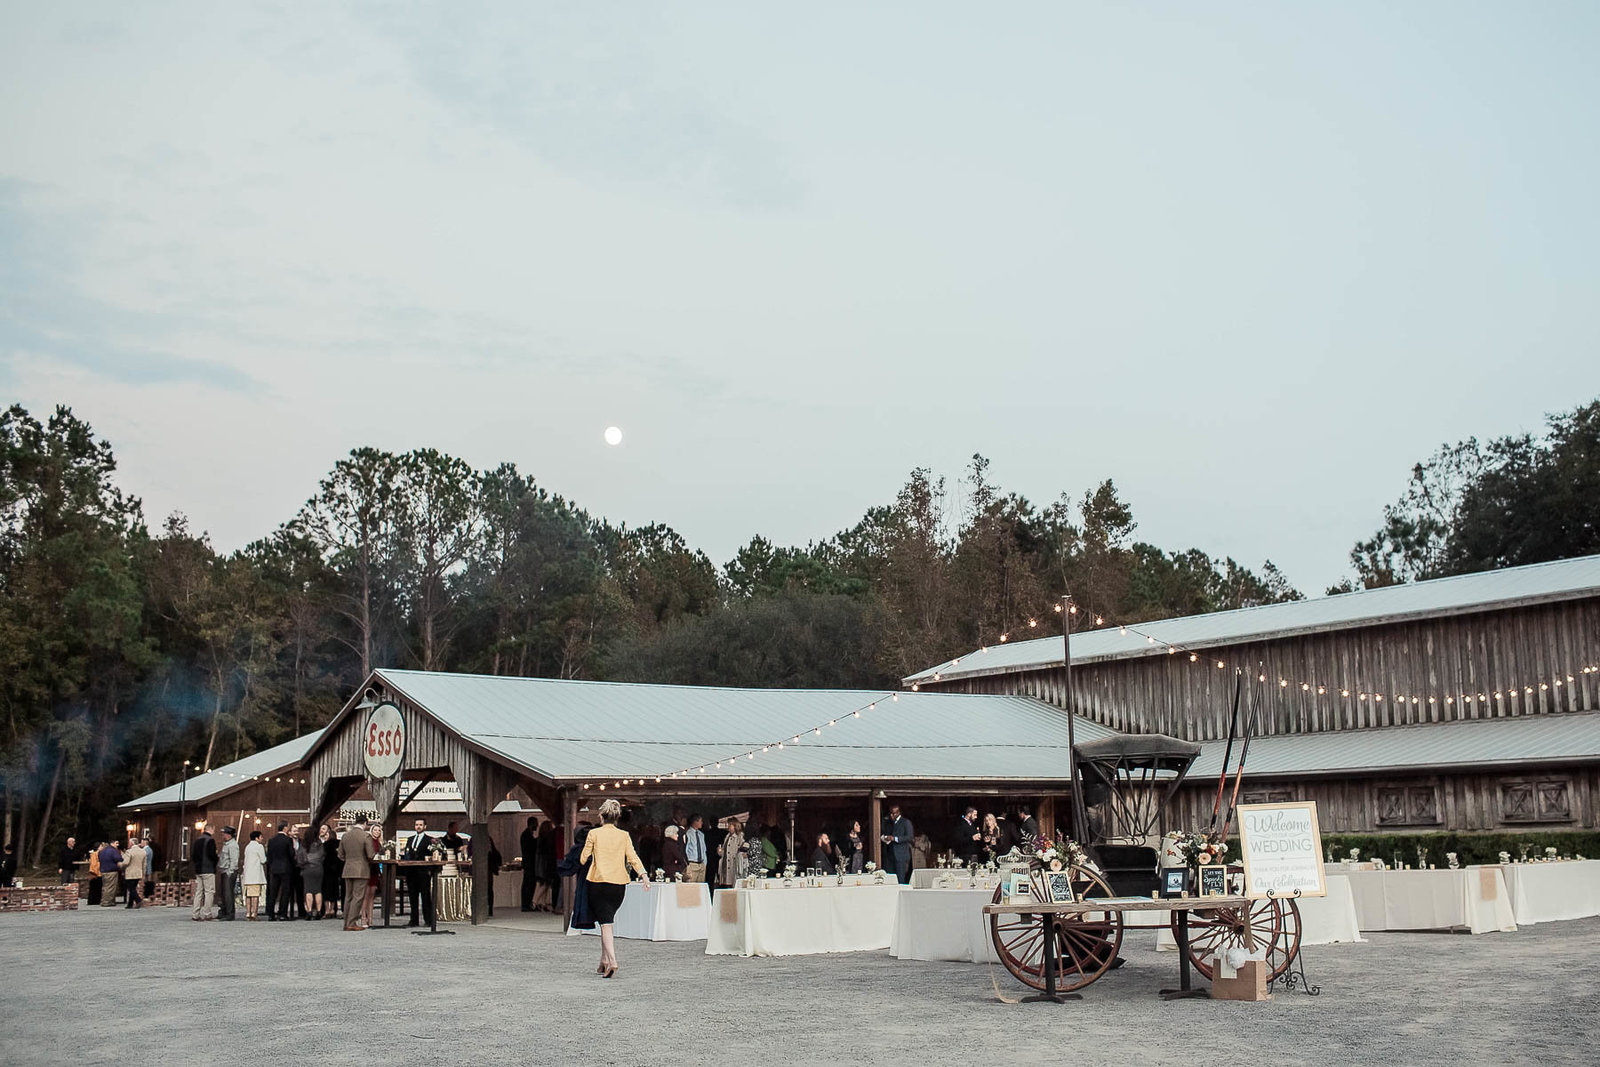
(295,875)
(112,870)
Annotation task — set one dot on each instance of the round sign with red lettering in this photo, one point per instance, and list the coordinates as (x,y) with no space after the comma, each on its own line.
(384,743)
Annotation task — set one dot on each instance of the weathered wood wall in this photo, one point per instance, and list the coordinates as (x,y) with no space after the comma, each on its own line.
(1447,659)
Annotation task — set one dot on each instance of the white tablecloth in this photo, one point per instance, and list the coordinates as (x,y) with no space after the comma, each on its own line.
(924,877)
(802,921)
(1548,892)
(1323,920)
(1474,899)
(943,924)
(655,915)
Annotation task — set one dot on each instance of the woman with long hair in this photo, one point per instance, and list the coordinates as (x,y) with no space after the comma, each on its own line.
(372,883)
(855,849)
(732,866)
(332,871)
(313,854)
(609,851)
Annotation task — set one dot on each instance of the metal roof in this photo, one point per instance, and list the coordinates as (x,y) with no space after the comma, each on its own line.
(1567,579)
(573,730)
(1523,740)
(203,787)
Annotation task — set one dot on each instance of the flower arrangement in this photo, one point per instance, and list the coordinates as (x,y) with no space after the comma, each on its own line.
(1522,852)
(871,866)
(1355,855)
(1550,853)
(1505,857)
(1200,850)
(1422,858)
(1333,850)
(661,875)
(1453,859)
(1055,855)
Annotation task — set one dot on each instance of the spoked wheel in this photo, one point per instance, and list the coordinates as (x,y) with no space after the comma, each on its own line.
(1274,924)
(1085,947)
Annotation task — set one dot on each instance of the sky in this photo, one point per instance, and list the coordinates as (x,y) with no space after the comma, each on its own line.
(1251,261)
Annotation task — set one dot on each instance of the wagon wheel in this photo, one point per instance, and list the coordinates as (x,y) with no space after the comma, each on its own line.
(1273,923)
(1086,944)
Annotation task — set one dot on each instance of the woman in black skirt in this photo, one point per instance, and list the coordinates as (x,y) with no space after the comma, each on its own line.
(611,851)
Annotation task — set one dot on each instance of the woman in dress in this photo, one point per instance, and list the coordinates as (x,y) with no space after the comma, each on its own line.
(855,850)
(313,854)
(372,883)
(332,871)
(990,830)
(255,875)
(609,852)
(731,867)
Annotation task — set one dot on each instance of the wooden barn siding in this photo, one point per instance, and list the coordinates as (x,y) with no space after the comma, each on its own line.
(427,747)
(1442,658)
(1349,805)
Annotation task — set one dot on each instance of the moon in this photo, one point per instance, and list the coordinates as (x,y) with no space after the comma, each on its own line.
(613,435)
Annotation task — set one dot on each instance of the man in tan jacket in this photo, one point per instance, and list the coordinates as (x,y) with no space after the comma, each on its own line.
(358,853)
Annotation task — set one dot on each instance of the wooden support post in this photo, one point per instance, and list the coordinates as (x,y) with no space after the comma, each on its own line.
(1047,818)
(874,827)
(569,830)
(480,874)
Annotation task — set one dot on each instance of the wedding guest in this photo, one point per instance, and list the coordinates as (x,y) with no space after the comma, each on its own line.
(968,838)
(529,843)
(453,839)
(609,852)
(376,836)
(227,873)
(313,854)
(990,829)
(855,849)
(133,873)
(897,835)
(495,860)
(280,871)
(731,866)
(67,861)
(110,866)
(672,861)
(332,871)
(419,880)
(96,885)
(204,857)
(255,876)
(357,851)
(1030,825)
(574,867)
(8,864)
(549,856)
(822,856)
(149,868)
(694,850)
(770,855)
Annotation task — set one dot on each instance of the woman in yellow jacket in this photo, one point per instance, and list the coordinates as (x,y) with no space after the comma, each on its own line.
(611,850)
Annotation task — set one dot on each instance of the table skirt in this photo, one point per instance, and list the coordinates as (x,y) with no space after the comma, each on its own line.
(1550,892)
(1474,899)
(657,914)
(802,921)
(943,924)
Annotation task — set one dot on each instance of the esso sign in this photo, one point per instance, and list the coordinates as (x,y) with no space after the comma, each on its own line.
(384,742)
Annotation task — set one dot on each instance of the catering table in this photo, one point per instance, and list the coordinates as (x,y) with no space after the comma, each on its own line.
(389,869)
(943,924)
(452,895)
(667,911)
(1547,892)
(802,920)
(1323,920)
(1472,899)
(924,877)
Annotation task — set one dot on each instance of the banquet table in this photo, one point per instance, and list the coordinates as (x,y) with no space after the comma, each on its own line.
(454,896)
(1324,920)
(1472,899)
(943,924)
(667,911)
(802,920)
(1548,892)
(924,877)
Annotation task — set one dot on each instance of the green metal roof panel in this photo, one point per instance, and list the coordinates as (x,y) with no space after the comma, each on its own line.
(203,787)
(573,730)
(1567,579)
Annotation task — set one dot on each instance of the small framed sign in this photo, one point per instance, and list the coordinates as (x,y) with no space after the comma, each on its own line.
(1060,885)
(1213,881)
(1174,881)
(1019,886)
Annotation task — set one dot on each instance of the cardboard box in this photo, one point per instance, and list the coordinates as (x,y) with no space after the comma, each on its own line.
(1248,983)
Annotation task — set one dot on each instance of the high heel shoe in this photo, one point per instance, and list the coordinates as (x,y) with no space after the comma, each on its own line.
(611,972)
(600,969)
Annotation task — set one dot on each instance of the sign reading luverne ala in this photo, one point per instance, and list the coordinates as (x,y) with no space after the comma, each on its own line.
(1282,849)
(384,743)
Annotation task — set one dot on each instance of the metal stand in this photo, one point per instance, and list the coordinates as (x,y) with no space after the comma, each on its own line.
(1294,976)
(433,925)
(1185,990)
(1050,995)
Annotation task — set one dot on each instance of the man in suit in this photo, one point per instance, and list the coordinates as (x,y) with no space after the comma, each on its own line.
(969,838)
(530,853)
(357,852)
(280,874)
(419,880)
(227,872)
(1030,825)
(897,834)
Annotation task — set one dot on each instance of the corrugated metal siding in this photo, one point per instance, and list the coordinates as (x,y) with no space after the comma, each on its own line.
(1559,580)
(202,787)
(569,730)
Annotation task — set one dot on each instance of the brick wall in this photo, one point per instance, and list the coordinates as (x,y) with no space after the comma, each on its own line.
(40,898)
(173,895)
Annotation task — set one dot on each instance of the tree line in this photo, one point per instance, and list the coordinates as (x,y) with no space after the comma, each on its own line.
(128,650)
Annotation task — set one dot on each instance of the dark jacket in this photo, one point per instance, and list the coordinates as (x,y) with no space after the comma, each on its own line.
(205,854)
(570,867)
(822,861)
(672,861)
(965,845)
(898,850)
(67,860)
(280,855)
(8,866)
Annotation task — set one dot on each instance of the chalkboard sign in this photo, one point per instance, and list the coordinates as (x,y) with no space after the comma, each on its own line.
(1214,881)
(1282,849)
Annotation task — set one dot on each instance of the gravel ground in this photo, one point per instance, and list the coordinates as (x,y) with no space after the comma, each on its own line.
(151,986)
